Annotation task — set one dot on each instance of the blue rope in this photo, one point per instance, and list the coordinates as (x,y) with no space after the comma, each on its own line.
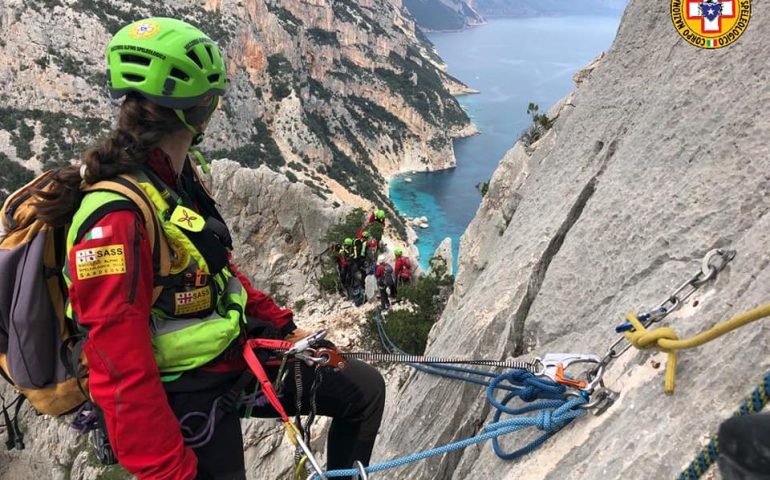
(553,412)
(438,370)
(553,420)
(529,388)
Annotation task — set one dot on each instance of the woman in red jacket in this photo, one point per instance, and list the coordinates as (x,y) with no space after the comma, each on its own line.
(160,348)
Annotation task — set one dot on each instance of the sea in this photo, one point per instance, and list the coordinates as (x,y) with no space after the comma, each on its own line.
(511,62)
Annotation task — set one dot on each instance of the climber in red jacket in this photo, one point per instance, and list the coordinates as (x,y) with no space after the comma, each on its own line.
(403,267)
(165,352)
(377,216)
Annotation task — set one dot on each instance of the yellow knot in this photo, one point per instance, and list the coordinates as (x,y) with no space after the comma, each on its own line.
(642,339)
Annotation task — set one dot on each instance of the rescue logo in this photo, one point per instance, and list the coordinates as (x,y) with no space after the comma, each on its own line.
(99,261)
(710,23)
(144,30)
(187,219)
(192,301)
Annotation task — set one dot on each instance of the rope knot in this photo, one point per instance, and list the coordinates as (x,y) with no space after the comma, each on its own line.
(546,421)
(529,393)
(642,339)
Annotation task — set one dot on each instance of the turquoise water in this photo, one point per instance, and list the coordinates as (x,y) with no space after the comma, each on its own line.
(511,62)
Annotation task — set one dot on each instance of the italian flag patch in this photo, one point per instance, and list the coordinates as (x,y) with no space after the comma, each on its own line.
(99,232)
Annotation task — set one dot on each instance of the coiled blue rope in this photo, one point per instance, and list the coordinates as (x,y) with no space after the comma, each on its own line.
(554,412)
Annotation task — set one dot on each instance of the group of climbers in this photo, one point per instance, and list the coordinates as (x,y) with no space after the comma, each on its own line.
(389,278)
(356,258)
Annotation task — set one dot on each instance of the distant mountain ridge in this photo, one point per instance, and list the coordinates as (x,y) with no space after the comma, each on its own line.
(534,8)
(443,14)
(433,15)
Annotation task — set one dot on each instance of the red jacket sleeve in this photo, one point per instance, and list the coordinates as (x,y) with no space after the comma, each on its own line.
(111,294)
(263,307)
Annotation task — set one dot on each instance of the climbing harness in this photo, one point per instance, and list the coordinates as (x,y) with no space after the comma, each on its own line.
(312,351)
(301,350)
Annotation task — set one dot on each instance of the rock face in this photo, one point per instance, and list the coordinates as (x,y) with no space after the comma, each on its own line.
(333,94)
(644,171)
(444,250)
(276,227)
(443,14)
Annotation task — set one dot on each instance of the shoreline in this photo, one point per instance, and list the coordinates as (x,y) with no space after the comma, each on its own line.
(470,130)
(453,30)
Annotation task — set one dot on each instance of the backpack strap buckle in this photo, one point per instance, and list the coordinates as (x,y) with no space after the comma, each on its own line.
(197,279)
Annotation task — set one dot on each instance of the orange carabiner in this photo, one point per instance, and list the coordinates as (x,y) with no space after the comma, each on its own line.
(565,380)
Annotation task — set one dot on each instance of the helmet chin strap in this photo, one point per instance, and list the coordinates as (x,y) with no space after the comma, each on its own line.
(197,139)
(197,134)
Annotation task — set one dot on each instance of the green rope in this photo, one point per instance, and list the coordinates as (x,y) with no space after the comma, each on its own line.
(708,456)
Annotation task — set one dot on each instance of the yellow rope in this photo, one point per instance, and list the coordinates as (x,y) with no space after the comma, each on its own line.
(299,471)
(666,340)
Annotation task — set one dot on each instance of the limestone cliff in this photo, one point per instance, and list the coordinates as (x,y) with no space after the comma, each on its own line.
(443,14)
(645,170)
(335,94)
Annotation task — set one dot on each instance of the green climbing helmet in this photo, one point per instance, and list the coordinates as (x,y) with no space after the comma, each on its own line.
(366,234)
(348,241)
(168,61)
(398,252)
(379,214)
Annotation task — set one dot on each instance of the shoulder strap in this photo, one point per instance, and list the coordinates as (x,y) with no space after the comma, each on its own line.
(130,188)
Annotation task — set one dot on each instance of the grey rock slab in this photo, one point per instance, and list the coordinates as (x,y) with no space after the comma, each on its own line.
(444,250)
(645,171)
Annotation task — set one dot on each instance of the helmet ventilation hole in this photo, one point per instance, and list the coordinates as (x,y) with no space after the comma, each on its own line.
(130,77)
(179,74)
(127,58)
(194,57)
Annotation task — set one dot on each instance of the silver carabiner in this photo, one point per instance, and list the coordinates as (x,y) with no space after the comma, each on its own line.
(319,473)
(360,471)
(307,342)
(597,380)
(556,364)
(604,400)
